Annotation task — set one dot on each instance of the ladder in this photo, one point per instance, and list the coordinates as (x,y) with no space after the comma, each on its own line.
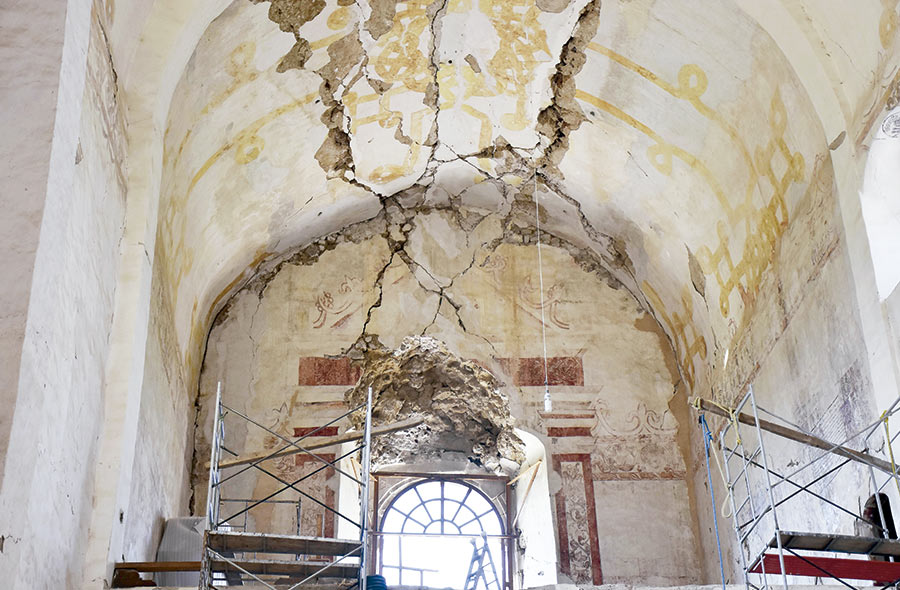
(479,570)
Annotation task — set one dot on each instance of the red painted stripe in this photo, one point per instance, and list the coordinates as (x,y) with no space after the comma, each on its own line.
(529,371)
(560,431)
(853,569)
(593,535)
(318,370)
(305,430)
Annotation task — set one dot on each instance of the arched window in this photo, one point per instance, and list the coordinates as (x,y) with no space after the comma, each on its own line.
(444,534)
(880,203)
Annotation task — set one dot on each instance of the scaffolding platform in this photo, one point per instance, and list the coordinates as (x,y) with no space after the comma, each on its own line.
(283,567)
(234,555)
(839,568)
(233,542)
(837,544)
(758,494)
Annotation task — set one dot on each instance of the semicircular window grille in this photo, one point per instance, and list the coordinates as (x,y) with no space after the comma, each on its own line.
(433,530)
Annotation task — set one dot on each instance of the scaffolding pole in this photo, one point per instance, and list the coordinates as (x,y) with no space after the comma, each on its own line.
(231,552)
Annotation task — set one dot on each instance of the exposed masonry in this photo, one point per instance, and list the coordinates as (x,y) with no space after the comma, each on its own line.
(464,407)
(563,115)
(395,223)
(348,63)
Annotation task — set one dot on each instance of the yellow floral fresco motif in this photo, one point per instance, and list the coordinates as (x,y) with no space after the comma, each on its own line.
(688,342)
(399,60)
(762,225)
(772,169)
(246,146)
(508,74)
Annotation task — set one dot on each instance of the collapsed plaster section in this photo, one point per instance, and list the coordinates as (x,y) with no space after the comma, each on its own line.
(512,169)
(563,115)
(463,406)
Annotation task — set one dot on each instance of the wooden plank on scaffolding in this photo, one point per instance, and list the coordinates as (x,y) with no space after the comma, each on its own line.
(159,566)
(824,567)
(838,543)
(329,442)
(284,567)
(240,542)
(796,436)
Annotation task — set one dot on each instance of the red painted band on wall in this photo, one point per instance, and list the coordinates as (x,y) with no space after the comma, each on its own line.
(562,518)
(318,430)
(318,370)
(561,431)
(529,371)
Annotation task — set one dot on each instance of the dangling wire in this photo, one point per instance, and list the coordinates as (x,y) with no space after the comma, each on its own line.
(548,402)
(707,441)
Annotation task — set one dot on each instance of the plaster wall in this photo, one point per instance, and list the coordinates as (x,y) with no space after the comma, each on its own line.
(891,308)
(471,280)
(804,354)
(159,488)
(46,498)
(20,227)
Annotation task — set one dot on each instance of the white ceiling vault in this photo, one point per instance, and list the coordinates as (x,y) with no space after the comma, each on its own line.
(672,139)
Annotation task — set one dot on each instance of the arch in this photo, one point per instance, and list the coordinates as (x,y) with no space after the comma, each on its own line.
(880,198)
(437,524)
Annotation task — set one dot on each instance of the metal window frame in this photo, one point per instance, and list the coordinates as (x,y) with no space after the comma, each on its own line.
(383,502)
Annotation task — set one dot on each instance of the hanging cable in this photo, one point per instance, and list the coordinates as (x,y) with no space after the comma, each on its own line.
(548,402)
(707,439)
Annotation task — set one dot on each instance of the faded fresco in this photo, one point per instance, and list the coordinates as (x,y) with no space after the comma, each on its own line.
(280,350)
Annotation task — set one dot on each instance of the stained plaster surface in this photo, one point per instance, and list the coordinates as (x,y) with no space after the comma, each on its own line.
(47,485)
(369,289)
(805,356)
(437,103)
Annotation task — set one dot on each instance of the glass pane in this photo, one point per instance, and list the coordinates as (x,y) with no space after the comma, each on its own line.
(490,524)
(429,489)
(411,526)
(464,515)
(455,491)
(434,508)
(420,515)
(477,503)
(393,521)
(406,501)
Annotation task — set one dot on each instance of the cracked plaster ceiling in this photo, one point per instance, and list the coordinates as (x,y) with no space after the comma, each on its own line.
(670,139)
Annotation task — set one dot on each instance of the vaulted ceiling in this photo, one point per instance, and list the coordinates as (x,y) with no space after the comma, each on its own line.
(672,139)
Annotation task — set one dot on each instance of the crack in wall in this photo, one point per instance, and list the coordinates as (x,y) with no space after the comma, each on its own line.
(349,60)
(564,115)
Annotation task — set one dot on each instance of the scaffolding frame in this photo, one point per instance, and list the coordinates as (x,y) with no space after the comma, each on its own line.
(220,566)
(752,486)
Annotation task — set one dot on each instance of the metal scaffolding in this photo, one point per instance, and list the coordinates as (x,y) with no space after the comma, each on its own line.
(764,503)
(234,554)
